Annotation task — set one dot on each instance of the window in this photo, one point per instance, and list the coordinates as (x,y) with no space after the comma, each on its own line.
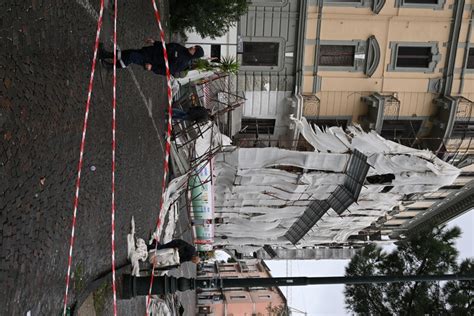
(226,267)
(463,129)
(431,4)
(414,57)
(238,297)
(337,55)
(453,187)
(329,122)
(274,3)
(216,51)
(260,54)
(342,55)
(470,59)
(401,131)
(265,297)
(257,126)
(342,1)
(422,1)
(347,3)
(375,5)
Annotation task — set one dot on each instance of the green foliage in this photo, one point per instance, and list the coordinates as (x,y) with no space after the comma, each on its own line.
(208,18)
(460,295)
(426,253)
(203,65)
(229,65)
(280,310)
(79,282)
(100,297)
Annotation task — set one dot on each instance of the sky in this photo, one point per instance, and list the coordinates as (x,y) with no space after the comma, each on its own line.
(329,299)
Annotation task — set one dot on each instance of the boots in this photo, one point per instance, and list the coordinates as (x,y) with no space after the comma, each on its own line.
(104,54)
(107,65)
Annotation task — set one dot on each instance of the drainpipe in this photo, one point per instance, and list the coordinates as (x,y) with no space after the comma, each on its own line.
(299,114)
(300,67)
(466,53)
(318,44)
(458,9)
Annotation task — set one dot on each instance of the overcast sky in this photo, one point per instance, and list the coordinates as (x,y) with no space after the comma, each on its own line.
(329,299)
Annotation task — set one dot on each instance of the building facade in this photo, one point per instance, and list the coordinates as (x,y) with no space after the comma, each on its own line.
(239,301)
(401,68)
(265,43)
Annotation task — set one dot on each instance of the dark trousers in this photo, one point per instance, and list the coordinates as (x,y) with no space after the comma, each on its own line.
(179,114)
(133,56)
(127,57)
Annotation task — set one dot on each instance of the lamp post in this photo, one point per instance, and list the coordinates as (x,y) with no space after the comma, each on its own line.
(138,286)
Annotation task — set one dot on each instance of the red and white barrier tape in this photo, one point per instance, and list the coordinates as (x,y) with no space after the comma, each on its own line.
(114,105)
(168,139)
(81,154)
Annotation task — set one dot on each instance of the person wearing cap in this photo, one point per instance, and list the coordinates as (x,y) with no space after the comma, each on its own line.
(152,58)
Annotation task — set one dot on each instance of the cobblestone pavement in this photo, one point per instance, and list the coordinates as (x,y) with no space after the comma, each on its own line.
(45,59)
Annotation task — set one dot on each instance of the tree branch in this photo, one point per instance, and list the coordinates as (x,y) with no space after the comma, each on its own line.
(371,301)
(413,290)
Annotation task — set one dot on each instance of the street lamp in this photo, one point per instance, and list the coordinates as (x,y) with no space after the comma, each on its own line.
(138,286)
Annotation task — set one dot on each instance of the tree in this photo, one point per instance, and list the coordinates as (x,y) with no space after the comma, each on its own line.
(208,18)
(280,310)
(425,253)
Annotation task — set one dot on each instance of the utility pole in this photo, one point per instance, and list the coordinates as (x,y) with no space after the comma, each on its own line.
(138,286)
(295,310)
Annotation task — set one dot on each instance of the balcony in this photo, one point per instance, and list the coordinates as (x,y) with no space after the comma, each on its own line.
(449,132)
(380,107)
(453,126)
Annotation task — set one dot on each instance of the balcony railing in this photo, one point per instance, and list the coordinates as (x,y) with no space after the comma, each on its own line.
(380,107)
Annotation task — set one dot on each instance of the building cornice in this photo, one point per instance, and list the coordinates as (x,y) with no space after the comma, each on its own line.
(454,205)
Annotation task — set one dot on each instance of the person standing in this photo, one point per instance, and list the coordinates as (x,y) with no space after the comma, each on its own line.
(152,58)
(195,114)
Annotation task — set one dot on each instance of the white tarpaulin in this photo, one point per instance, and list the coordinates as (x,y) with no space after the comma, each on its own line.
(261,192)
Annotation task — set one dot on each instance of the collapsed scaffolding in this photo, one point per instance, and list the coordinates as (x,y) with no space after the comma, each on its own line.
(196,144)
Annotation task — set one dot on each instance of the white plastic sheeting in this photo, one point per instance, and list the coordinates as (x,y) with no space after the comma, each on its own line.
(259,196)
(210,138)
(172,193)
(136,247)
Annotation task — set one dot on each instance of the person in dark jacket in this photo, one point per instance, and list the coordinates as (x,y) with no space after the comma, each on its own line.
(187,252)
(196,114)
(152,58)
